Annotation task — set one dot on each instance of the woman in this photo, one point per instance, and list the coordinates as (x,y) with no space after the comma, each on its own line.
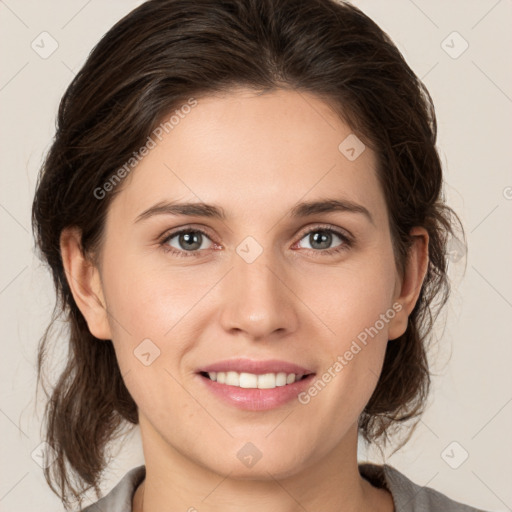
(202,152)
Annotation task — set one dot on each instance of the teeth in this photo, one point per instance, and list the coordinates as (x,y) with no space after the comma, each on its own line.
(250,380)
(247,380)
(281,379)
(268,380)
(232,379)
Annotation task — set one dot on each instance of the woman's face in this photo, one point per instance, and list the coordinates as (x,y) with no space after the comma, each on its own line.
(272,280)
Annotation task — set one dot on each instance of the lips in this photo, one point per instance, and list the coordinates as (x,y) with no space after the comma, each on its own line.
(254,385)
(255,367)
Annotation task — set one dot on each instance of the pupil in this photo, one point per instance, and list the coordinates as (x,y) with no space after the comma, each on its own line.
(322,237)
(189,239)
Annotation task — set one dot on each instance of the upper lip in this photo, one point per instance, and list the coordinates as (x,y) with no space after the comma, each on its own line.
(256,367)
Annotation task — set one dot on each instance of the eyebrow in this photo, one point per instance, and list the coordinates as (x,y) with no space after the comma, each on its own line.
(300,210)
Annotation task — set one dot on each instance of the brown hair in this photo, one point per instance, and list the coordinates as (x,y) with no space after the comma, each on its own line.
(152,61)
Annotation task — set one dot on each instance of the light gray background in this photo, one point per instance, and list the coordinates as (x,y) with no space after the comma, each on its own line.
(471,398)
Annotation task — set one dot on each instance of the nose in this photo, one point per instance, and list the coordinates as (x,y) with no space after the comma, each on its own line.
(258,299)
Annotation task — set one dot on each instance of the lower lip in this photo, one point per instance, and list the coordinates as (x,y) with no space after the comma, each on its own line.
(255,399)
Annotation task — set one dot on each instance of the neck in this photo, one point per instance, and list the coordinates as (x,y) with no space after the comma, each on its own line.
(331,484)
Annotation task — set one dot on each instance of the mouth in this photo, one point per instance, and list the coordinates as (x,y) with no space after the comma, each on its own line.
(255,374)
(247,380)
(254,385)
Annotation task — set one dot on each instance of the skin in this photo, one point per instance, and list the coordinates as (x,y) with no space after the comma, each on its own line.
(256,156)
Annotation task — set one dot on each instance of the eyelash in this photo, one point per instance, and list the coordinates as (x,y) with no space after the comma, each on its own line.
(346,245)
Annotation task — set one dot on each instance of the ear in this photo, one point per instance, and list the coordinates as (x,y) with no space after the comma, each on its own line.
(84,280)
(408,288)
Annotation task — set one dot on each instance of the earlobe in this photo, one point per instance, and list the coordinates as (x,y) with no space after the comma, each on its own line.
(414,275)
(84,281)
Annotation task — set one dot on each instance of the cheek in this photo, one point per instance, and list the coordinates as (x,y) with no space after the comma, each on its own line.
(352,297)
(155,323)
(150,301)
(358,307)
(149,315)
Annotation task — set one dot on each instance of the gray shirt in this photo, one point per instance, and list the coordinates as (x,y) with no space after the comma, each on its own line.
(407,496)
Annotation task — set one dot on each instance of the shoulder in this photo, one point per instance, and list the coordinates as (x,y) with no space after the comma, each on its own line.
(119,499)
(408,496)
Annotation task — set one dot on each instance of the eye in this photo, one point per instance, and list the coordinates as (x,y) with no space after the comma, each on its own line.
(320,239)
(185,241)
(188,242)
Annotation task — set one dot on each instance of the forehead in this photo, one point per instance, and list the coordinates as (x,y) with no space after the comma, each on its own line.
(253,153)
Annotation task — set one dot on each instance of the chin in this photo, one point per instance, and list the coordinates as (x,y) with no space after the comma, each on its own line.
(248,462)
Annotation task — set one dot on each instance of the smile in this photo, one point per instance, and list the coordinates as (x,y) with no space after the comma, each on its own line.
(253,381)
